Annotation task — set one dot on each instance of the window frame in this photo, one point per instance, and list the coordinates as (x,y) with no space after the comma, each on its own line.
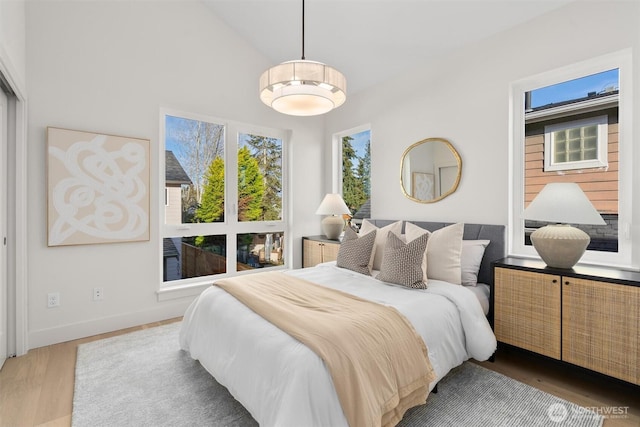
(601,160)
(622,60)
(336,158)
(230,227)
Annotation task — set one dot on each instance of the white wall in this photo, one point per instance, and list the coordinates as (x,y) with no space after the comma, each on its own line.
(108,67)
(464,97)
(12,40)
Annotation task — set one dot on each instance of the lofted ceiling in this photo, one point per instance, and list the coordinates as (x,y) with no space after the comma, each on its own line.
(371,41)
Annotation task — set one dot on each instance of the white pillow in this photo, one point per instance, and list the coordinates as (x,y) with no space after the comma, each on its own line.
(381,239)
(444,248)
(412,232)
(470,259)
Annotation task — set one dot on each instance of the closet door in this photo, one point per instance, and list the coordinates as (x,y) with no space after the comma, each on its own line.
(3,228)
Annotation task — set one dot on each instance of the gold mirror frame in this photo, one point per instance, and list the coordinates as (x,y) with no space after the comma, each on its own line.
(426,181)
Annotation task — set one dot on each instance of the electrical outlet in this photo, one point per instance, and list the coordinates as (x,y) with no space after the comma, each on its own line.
(53,299)
(98,294)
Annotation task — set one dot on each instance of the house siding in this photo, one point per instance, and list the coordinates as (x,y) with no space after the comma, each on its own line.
(600,185)
(173,208)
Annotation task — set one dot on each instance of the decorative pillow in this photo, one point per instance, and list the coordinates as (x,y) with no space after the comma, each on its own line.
(355,252)
(470,259)
(402,262)
(443,254)
(381,239)
(413,232)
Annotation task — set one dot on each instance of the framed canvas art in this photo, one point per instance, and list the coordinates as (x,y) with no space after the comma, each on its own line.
(97,188)
(422,185)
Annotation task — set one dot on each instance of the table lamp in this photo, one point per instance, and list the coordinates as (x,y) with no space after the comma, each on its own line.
(334,207)
(561,245)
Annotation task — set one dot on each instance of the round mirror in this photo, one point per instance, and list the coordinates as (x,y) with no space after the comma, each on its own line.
(430,170)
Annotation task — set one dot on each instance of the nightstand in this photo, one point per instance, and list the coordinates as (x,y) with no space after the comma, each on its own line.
(317,249)
(587,316)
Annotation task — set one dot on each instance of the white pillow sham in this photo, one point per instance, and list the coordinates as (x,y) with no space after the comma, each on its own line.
(470,260)
(442,259)
(381,239)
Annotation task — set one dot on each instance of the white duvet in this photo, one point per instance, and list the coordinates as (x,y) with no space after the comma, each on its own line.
(283,383)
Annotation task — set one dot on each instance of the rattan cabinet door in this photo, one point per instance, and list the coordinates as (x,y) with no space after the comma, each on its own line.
(317,251)
(527,310)
(600,327)
(330,252)
(312,252)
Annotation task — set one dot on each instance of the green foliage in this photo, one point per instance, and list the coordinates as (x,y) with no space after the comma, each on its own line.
(211,208)
(355,186)
(250,187)
(268,152)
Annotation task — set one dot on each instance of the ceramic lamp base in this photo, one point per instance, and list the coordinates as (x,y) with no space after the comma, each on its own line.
(560,245)
(332,226)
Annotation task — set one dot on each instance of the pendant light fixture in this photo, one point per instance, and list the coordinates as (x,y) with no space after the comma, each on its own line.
(303,88)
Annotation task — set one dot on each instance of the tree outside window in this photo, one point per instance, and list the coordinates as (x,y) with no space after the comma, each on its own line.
(356,173)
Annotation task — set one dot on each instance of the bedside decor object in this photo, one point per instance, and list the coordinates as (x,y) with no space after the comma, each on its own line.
(303,88)
(97,188)
(561,245)
(334,207)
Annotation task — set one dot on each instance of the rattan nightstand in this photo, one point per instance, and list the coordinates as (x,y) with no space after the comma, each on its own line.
(587,316)
(317,249)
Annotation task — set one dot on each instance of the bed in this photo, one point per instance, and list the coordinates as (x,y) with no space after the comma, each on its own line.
(281,382)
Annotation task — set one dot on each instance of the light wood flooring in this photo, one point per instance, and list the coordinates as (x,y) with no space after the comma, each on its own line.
(37,389)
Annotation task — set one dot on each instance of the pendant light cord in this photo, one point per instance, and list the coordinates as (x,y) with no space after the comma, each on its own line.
(303,30)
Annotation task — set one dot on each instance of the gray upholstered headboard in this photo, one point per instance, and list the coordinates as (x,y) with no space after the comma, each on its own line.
(494,233)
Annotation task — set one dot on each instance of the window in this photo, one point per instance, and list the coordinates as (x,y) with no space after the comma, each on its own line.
(578,144)
(354,148)
(224,195)
(574,125)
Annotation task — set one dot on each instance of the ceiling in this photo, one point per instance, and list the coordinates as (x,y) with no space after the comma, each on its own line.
(371,41)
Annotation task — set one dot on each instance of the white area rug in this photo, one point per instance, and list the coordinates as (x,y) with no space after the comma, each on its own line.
(144,379)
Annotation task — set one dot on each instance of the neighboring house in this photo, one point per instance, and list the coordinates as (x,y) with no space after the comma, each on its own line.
(577,141)
(175,178)
(362,213)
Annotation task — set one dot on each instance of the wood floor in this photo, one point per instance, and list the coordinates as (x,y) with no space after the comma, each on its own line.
(37,389)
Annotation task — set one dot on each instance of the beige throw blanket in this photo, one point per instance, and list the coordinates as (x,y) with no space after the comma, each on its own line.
(378,362)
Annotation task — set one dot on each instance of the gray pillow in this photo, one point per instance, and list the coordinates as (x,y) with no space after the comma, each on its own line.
(355,252)
(402,262)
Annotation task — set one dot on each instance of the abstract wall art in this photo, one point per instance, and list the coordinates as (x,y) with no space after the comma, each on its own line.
(422,186)
(98,188)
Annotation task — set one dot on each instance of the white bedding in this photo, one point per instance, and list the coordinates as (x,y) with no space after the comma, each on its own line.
(481,291)
(283,383)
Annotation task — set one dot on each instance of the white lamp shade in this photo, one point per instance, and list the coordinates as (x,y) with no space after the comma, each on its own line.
(332,204)
(303,88)
(564,203)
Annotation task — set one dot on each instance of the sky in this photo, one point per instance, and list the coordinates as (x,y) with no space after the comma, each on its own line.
(360,141)
(171,144)
(574,89)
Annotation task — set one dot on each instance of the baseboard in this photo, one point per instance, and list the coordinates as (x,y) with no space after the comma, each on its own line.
(69,332)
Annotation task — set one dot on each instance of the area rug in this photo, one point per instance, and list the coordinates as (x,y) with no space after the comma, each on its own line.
(144,379)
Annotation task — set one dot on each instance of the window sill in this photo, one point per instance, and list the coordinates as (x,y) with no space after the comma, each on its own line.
(167,293)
